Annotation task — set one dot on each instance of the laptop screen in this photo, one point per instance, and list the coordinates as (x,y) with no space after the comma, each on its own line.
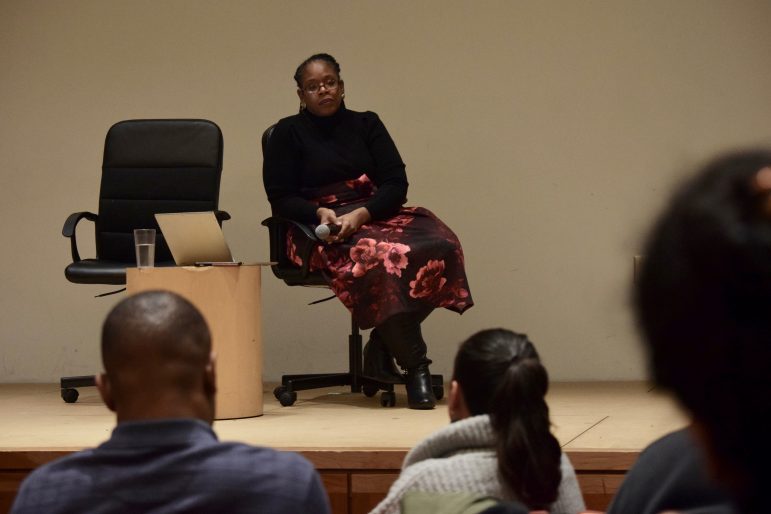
(194,237)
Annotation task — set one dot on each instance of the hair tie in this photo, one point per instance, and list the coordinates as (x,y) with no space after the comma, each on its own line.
(761,184)
(762,180)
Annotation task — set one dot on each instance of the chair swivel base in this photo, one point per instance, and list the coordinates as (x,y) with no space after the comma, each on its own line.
(286,393)
(68,385)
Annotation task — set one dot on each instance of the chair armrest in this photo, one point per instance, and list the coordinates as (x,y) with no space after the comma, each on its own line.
(277,227)
(69,230)
(306,230)
(221,216)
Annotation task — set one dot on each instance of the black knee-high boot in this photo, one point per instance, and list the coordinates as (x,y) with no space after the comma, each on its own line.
(402,336)
(378,361)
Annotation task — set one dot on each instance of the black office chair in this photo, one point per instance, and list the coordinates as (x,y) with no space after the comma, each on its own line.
(294,275)
(149,166)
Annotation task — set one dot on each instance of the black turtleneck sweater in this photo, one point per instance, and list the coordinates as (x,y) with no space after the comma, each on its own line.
(307,151)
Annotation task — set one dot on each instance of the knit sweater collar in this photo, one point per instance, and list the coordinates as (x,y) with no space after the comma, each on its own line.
(467,434)
(326,122)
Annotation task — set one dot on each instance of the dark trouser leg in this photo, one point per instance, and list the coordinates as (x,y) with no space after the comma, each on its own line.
(402,336)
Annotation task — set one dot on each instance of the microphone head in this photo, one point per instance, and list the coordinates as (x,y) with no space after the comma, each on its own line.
(323,232)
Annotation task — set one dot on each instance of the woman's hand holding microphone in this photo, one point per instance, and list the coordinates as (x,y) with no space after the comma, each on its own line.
(348,223)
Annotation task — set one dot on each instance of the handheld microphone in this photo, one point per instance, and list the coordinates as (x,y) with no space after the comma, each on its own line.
(326,230)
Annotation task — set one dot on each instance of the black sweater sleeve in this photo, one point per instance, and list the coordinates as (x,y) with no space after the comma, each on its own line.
(281,176)
(388,174)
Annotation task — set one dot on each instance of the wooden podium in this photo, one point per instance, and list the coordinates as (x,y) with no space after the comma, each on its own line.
(229,299)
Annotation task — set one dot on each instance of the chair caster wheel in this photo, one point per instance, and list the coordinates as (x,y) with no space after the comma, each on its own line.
(70,395)
(369,390)
(438,391)
(388,399)
(284,397)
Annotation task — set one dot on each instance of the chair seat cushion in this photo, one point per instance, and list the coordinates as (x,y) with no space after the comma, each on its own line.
(293,277)
(96,271)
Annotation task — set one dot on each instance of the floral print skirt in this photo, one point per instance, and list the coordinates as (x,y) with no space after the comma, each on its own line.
(402,264)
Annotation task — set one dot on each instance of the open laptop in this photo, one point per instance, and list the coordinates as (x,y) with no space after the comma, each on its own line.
(194,238)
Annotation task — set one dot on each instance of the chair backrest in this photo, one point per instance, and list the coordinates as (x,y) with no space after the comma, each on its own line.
(153,166)
(285,269)
(277,234)
(266,137)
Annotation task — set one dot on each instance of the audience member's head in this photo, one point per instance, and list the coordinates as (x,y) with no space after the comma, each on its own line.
(156,351)
(498,372)
(704,307)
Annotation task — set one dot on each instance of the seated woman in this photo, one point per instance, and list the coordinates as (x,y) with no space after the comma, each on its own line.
(499,443)
(390,265)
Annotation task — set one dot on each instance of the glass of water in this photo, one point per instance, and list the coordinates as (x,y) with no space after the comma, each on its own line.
(144,240)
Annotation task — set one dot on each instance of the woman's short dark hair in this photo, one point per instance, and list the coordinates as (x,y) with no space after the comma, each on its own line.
(298,74)
(500,374)
(703,305)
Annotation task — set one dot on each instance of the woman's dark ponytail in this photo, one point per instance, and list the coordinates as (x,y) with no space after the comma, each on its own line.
(528,454)
(500,374)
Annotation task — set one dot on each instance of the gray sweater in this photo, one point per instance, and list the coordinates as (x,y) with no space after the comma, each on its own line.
(461,457)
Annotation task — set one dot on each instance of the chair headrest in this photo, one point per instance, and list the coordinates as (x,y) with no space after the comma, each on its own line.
(172,143)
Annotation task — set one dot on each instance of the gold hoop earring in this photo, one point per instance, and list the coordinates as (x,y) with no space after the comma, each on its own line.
(343,97)
(302,106)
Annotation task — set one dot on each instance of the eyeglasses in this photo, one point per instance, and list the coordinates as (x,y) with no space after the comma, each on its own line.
(329,84)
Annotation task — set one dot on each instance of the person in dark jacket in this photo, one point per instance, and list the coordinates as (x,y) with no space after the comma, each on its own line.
(702,303)
(163,456)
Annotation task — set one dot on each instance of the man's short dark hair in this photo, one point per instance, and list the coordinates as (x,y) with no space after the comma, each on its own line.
(157,322)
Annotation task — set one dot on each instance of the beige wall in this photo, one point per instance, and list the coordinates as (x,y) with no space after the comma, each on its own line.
(546,134)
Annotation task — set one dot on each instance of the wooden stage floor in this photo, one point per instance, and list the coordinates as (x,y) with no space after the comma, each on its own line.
(356,444)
